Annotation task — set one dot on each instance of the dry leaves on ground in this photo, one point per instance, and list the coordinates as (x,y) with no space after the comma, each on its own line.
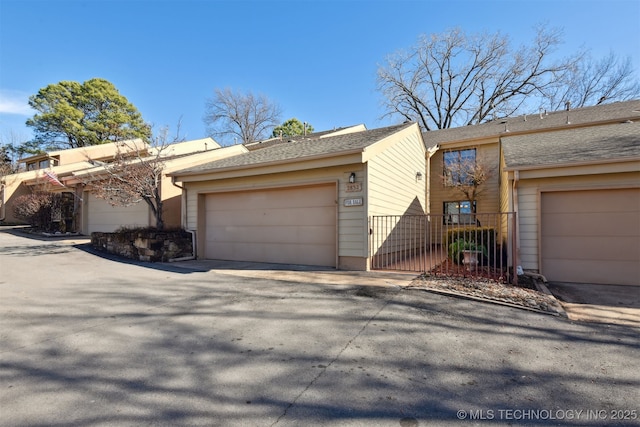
(490,290)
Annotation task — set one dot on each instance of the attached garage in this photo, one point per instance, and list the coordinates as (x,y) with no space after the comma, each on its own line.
(591,236)
(577,198)
(295,225)
(99,215)
(305,200)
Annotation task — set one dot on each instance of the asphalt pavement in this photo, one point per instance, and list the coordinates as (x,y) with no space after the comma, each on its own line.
(87,340)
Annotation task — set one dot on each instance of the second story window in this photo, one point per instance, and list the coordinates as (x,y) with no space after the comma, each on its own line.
(458,166)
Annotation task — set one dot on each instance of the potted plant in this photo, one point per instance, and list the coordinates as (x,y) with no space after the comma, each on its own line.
(466,252)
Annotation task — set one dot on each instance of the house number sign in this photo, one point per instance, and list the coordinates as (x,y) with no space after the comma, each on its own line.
(354,187)
(353,202)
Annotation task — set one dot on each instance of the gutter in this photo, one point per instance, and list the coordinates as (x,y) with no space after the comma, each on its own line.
(270,163)
(183,213)
(571,164)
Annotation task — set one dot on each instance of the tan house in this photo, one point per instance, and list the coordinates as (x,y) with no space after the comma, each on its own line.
(573,179)
(305,200)
(73,168)
(99,215)
(62,163)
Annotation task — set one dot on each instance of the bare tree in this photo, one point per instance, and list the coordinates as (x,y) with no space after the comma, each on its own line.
(135,175)
(245,116)
(10,151)
(455,79)
(593,82)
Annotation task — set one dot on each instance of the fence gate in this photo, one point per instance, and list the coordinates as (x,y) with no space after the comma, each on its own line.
(477,245)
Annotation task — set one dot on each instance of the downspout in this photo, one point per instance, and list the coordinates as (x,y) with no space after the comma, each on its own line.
(514,199)
(430,152)
(183,214)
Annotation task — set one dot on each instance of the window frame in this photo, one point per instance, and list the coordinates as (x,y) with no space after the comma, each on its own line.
(449,180)
(453,218)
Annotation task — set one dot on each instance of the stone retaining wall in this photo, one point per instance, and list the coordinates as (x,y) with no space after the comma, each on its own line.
(147,245)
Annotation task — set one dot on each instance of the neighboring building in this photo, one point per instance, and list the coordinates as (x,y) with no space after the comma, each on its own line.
(572,177)
(98,215)
(61,163)
(306,201)
(81,210)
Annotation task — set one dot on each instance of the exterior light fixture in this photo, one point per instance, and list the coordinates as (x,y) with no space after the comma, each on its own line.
(352,177)
(419,176)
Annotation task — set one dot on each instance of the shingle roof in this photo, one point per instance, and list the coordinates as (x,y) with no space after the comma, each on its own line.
(274,141)
(587,144)
(300,150)
(530,123)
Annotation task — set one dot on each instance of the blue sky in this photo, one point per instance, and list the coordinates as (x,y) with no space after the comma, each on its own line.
(316,58)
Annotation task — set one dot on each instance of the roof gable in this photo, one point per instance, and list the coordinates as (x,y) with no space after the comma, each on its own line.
(299,150)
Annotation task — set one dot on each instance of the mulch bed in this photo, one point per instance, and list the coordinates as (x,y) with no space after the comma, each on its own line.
(488,289)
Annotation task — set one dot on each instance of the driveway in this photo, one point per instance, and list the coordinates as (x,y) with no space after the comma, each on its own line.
(90,341)
(589,302)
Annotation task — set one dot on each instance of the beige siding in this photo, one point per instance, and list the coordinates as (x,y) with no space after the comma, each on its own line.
(393,186)
(489,199)
(171,203)
(99,215)
(351,220)
(394,189)
(529,205)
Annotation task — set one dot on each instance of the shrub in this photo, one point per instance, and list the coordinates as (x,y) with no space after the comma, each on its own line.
(35,209)
(485,237)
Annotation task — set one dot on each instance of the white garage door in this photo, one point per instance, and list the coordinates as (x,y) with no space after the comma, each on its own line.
(591,236)
(101,216)
(290,226)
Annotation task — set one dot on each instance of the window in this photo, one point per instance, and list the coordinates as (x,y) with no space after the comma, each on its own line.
(457,164)
(459,212)
(43,164)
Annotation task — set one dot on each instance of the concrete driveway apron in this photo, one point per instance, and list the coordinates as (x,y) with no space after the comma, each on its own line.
(615,304)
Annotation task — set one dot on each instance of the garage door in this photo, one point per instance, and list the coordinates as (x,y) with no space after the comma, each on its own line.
(591,236)
(101,216)
(290,225)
